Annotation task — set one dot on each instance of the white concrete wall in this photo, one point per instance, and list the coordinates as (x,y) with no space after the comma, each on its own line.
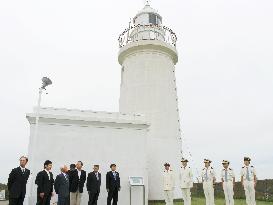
(149,87)
(64,142)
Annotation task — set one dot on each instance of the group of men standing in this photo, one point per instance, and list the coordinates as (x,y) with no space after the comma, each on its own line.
(248,180)
(68,185)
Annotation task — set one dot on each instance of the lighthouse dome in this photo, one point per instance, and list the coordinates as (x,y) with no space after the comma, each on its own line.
(147,25)
(147,16)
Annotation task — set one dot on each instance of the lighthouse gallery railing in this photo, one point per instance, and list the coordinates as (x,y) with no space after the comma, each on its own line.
(147,32)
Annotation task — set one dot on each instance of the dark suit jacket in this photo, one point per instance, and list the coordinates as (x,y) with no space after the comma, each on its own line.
(44,184)
(69,172)
(111,183)
(75,183)
(17,182)
(93,184)
(61,185)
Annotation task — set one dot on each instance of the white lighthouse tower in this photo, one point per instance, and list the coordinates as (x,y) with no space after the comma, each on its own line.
(148,86)
(140,138)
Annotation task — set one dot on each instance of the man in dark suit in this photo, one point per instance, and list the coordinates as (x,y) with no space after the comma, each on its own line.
(112,185)
(93,185)
(17,183)
(71,168)
(76,184)
(61,186)
(45,182)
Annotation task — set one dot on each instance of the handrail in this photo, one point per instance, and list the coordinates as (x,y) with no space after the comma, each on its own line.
(155,32)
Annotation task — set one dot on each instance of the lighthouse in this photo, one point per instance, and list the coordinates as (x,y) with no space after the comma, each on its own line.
(148,57)
(140,138)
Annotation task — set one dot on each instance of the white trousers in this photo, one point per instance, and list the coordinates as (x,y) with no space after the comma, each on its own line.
(228,190)
(168,197)
(75,198)
(209,192)
(186,195)
(249,192)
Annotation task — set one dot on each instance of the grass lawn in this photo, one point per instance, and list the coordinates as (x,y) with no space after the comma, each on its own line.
(201,201)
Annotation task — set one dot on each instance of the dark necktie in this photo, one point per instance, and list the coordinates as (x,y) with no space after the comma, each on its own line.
(97,175)
(115,177)
(247,174)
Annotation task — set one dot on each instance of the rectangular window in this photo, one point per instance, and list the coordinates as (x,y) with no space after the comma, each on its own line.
(159,20)
(152,19)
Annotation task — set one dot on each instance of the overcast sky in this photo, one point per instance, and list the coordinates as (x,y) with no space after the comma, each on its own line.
(224,74)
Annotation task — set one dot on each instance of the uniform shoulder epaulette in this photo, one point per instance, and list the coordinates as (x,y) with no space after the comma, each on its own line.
(243,167)
(252,166)
(189,167)
(211,167)
(230,169)
(204,168)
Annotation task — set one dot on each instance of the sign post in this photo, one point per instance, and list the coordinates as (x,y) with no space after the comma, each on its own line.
(136,181)
(2,195)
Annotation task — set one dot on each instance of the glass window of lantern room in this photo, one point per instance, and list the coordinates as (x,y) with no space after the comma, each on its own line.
(158,20)
(152,19)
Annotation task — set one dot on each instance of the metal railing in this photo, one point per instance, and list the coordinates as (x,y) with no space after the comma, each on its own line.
(147,32)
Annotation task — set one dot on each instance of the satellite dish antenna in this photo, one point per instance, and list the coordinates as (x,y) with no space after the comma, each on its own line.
(46,81)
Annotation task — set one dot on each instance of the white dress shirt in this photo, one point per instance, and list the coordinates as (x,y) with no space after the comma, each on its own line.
(227,175)
(23,169)
(97,175)
(208,174)
(79,173)
(65,175)
(248,173)
(115,175)
(48,174)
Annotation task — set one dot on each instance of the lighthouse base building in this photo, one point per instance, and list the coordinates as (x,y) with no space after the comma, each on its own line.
(66,136)
(140,138)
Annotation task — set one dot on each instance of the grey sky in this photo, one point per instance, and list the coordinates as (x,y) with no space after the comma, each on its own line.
(224,74)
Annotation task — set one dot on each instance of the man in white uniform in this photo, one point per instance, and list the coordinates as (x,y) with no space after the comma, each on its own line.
(186,181)
(168,184)
(228,181)
(249,180)
(208,179)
